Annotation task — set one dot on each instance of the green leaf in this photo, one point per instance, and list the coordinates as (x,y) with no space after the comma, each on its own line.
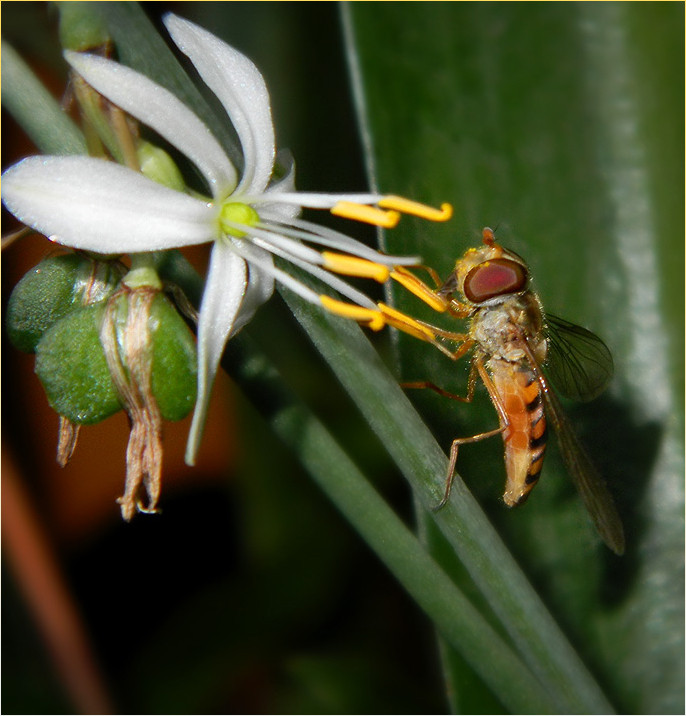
(35,109)
(559,124)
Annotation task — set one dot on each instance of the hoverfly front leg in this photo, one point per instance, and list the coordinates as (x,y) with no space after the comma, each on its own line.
(439,301)
(439,298)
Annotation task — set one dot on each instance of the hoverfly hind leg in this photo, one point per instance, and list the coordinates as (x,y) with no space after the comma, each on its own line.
(428,385)
(454,448)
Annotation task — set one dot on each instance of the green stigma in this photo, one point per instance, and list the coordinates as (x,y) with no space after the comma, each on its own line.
(237,213)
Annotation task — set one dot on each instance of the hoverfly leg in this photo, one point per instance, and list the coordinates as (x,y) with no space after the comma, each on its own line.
(477,366)
(438,281)
(454,448)
(439,298)
(427,384)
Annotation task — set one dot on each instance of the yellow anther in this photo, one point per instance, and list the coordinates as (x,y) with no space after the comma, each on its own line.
(353,266)
(371,318)
(404,323)
(407,206)
(419,289)
(367,214)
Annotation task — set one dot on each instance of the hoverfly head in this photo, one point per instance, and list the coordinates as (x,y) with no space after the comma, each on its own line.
(490,271)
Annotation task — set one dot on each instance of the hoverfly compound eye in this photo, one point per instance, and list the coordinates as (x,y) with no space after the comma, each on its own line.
(496,277)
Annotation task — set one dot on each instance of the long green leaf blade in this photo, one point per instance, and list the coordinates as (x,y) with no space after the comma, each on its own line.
(559,123)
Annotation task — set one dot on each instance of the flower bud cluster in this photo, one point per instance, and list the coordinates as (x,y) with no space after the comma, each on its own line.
(103,344)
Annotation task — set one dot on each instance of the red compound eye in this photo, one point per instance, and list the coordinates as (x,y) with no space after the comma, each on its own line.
(494,278)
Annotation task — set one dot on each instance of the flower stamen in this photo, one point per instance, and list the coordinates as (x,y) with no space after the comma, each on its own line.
(370,317)
(415,208)
(403,322)
(354,266)
(366,214)
(419,289)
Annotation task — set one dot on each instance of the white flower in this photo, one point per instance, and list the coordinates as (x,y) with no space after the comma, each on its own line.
(97,205)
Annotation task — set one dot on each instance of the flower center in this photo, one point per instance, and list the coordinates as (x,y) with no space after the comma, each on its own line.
(233,213)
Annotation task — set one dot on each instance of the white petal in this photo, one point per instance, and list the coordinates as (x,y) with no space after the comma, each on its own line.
(160,109)
(286,184)
(101,206)
(242,91)
(225,288)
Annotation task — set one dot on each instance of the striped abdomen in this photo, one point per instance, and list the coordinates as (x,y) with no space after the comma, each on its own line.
(526,435)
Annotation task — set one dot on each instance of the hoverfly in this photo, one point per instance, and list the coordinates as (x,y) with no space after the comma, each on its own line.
(511,339)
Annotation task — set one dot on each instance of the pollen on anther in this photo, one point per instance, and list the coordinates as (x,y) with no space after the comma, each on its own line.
(366,214)
(407,206)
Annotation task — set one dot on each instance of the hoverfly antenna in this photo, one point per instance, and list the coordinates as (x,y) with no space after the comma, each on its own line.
(488,236)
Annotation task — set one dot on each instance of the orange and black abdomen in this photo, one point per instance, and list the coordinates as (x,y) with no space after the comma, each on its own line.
(525,437)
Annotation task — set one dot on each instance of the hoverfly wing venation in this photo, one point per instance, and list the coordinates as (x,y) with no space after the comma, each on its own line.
(595,495)
(579,364)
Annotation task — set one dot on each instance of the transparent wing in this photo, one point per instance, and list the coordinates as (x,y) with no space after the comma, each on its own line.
(594,494)
(587,480)
(579,364)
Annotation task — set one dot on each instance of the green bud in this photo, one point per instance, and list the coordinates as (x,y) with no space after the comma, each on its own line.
(157,165)
(71,365)
(174,366)
(51,290)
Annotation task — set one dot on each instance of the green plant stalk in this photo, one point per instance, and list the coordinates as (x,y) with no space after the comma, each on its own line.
(32,103)
(389,412)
